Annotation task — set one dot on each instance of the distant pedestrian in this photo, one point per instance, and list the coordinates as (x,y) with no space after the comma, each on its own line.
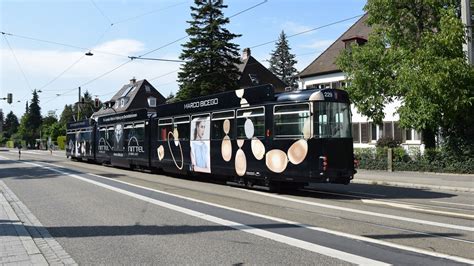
(51,149)
(19,151)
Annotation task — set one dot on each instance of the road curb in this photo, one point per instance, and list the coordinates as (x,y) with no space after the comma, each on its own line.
(46,249)
(408,185)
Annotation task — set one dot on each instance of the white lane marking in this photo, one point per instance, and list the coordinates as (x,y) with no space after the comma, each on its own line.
(37,153)
(310,227)
(368,194)
(238,226)
(416,208)
(452,203)
(389,216)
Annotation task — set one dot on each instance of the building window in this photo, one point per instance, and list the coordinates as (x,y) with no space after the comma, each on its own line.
(355,132)
(147,88)
(123,101)
(397,132)
(387,130)
(152,101)
(373,131)
(364,132)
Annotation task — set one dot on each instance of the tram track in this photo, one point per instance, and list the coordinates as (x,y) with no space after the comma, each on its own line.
(471,217)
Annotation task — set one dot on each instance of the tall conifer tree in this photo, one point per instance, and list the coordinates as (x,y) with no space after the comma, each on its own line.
(282,62)
(211,57)
(34,119)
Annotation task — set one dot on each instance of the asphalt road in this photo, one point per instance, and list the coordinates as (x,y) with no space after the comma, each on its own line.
(106,215)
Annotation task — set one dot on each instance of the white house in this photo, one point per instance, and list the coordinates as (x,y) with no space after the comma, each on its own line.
(324,73)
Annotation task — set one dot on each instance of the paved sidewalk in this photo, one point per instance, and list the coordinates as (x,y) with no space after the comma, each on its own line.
(453,182)
(23,240)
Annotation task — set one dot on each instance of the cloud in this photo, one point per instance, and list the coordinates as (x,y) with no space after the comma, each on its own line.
(291,27)
(318,44)
(42,66)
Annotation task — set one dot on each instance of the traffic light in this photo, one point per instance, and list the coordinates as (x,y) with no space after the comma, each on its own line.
(96,103)
(9,98)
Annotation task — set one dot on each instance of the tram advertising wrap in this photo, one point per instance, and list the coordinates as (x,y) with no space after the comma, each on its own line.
(251,137)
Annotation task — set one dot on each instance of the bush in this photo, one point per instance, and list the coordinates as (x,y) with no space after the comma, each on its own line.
(10,144)
(62,142)
(387,142)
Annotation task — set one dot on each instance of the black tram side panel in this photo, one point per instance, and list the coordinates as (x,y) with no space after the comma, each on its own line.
(123,139)
(177,152)
(80,140)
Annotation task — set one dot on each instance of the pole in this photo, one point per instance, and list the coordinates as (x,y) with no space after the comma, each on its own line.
(466,17)
(78,104)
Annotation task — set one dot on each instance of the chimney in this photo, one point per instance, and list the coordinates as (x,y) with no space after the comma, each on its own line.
(133,81)
(246,53)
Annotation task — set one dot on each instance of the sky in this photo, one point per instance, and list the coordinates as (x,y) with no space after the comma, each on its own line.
(46,41)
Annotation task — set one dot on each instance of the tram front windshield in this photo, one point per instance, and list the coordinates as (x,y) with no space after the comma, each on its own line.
(332,120)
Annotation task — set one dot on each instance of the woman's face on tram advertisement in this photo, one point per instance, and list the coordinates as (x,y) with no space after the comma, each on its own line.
(200,128)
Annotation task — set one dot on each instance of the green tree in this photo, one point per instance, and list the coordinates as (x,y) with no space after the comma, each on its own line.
(87,106)
(282,62)
(67,115)
(46,127)
(171,98)
(211,57)
(30,125)
(11,124)
(25,132)
(414,55)
(35,119)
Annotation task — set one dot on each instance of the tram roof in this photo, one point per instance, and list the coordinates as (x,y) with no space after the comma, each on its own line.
(248,97)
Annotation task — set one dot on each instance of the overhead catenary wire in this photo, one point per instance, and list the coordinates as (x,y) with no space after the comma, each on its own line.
(310,30)
(62,73)
(60,44)
(149,52)
(184,37)
(17,62)
(146,13)
(298,33)
(293,35)
(102,13)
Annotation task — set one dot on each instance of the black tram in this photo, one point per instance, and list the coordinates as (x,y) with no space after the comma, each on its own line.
(251,137)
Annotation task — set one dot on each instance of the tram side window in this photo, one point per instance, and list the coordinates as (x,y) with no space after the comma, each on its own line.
(164,126)
(181,124)
(218,119)
(139,129)
(110,135)
(257,118)
(128,132)
(86,141)
(102,133)
(290,120)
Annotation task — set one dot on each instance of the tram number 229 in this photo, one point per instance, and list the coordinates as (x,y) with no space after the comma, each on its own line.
(328,94)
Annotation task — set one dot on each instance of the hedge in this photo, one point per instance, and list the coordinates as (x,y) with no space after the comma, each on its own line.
(436,160)
(61,142)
